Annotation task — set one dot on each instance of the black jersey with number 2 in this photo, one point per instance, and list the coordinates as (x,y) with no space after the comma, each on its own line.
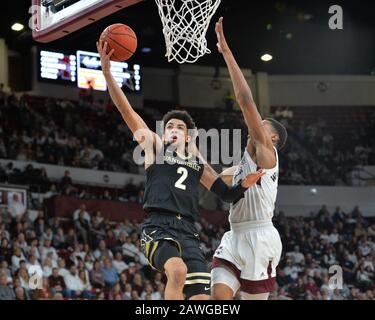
(173,185)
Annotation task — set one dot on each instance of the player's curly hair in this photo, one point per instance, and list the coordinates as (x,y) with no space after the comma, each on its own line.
(180,115)
(281,131)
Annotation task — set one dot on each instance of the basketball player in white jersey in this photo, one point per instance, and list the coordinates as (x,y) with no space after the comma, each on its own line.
(249,253)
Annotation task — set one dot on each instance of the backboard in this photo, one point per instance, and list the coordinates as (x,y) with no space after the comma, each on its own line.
(54,19)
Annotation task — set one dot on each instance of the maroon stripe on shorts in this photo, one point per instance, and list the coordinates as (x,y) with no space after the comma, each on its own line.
(248,286)
(256,287)
(218,262)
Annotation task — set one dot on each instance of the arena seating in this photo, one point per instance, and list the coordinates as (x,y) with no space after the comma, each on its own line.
(323,146)
(100,257)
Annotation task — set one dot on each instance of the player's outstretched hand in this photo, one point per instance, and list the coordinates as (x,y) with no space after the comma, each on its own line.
(221,42)
(105,58)
(252,179)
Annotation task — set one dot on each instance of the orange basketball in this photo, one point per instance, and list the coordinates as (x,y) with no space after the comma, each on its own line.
(122,39)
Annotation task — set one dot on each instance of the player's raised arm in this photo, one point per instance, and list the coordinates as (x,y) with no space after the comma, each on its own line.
(245,99)
(135,123)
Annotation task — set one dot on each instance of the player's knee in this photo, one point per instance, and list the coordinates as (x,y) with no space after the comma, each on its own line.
(225,284)
(176,270)
(221,292)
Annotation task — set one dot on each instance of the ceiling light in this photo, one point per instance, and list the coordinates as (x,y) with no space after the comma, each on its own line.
(266,57)
(17,26)
(146,49)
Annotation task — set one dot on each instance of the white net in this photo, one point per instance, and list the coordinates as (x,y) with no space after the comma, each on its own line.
(185,24)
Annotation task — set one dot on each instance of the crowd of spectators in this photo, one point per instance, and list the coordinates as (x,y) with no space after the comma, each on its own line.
(85,257)
(322,246)
(90,257)
(90,134)
(65,133)
(331,145)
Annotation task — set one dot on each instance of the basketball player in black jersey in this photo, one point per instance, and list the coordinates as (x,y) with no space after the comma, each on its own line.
(169,238)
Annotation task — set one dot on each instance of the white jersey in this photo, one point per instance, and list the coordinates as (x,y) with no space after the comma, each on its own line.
(259,200)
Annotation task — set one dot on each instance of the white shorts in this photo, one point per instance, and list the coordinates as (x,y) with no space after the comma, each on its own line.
(251,251)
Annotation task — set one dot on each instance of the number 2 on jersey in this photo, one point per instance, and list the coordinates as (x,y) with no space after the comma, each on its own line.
(179,183)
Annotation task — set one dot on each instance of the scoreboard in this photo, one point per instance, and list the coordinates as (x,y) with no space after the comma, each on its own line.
(57,66)
(83,69)
(90,73)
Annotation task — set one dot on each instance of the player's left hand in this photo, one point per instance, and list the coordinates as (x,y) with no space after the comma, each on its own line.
(252,179)
(222,45)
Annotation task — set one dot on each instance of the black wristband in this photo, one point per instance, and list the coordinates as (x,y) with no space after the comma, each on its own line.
(227,194)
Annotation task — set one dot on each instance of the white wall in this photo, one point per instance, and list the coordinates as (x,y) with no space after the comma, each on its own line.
(190,86)
(159,84)
(195,90)
(193,85)
(263,93)
(303,91)
(3,63)
(298,200)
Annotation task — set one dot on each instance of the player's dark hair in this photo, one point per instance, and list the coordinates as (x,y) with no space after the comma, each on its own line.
(281,131)
(180,115)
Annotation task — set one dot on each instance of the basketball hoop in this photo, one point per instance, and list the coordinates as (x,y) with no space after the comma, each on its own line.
(185,24)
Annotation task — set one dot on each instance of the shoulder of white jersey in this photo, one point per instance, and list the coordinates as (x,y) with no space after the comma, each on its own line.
(247,159)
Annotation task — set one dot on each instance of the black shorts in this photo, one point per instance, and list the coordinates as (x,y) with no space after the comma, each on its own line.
(183,234)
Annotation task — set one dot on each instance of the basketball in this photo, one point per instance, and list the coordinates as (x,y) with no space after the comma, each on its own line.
(122,39)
